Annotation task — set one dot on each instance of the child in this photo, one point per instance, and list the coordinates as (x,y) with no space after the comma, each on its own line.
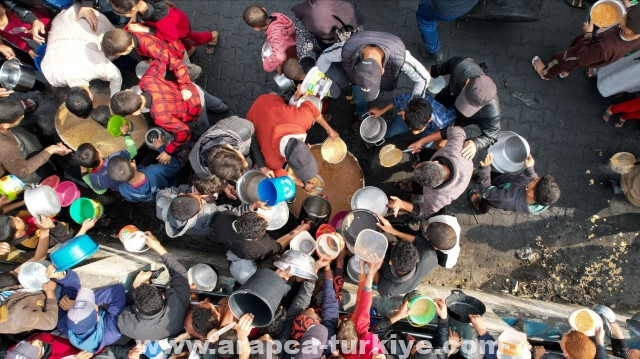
(32,26)
(142,185)
(628,110)
(281,35)
(170,23)
(94,166)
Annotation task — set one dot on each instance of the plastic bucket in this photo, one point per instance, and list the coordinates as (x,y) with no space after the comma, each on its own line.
(371,245)
(329,245)
(316,83)
(40,51)
(336,221)
(84,208)
(303,242)
(73,252)
(132,239)
(512,343)
(317,210)
(113,126)
(421,308)
(260,295)
(33,275)
(52,181)
(11,186)
(276,190)
(67,192)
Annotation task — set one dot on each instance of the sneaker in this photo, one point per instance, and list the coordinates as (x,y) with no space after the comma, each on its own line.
(28,105)
(194,71)
(437,57)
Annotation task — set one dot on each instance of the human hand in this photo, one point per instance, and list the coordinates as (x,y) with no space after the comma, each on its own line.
(267,172)
(384,224)
(395,204)
(478,324)
(125,129)
(416,146)
(37,28)
(487,160)
(599,335)
(66,303)
(136,351)
(376,111)
(84,355)
(333,134)
(44,223)
(58,149)
(587,26)
(279,70)
(186,94)
(375,263)
(7,52)
(309,186)
(258,204)
(321,263)
(88,14)
(141,278)
(164,158)
(3,91)
(284,274)
(454,341)
(305,225)
(53,274)
(5,248)
(137,27)
(539,351)
(441,308)
(230,192)
(469,149)
(243,328)
(4,200)
(48,288)
(615,330)
(300,93)
(87,225)
(403,311)
(153,242)
(529,162)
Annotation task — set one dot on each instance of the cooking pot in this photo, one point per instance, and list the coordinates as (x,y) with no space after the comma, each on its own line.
(42,201)
(16,76)
(302,265)
(389,155)
(247,186)
(333,150)
(617,6)
(436,84)
(356,221)
(33,275)
(266,50)
(509,152)
(316,209)
(607,315)
(371,198)
(461,305)
(203,276)
(622,162)
(634,323)
(284,83)
(373,129)
(141,68)
(353,268)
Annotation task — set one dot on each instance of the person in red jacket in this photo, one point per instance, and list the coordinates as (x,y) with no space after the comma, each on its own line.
(281,36)
(165,21)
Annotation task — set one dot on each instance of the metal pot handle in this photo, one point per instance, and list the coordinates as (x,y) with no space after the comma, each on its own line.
(457,291)
(379,142)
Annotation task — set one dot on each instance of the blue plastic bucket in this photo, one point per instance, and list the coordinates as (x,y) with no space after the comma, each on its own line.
(276,190)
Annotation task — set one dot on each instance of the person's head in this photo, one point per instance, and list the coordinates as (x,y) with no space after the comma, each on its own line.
(404,256)
(417,114)
(429,174)
(185,206)
(368,76)
(251,225)
(126,103)
(226,163)
(4,19)
(26,350)
(300,159)
(293,70)
(8,280)
(576,345)
(79,101)
(266,348)
(11,114)
(256,17)
(147,299)
(121,169)
(277,324)
(117,42)
(312,342)
(226,345)
(83,315)
(303,322)
(630,23)
(204,318)
(126,8)
(546,190)
(10,228)
(88,156)
(347,334)
(101,115)
(441,235)
(207,187)
(476,93)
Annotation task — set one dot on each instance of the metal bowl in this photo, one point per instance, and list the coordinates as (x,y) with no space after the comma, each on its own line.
(509,152)
(371,198)
(141,68)
(302,265)
(247,186)
(373,129)
(353,268)
(284,83)
(42,201)
(278,215)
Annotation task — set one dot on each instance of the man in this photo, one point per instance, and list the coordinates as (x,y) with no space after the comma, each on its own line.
(281,131)
(443,178)
(474,96)
(248,242)
(413,257)
(372,62)
(522,193)
(76,60)
(429,12)
(177,108)
(155,316)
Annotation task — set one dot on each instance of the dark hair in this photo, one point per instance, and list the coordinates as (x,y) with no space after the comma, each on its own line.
(115,42)
(264,352)
(119,169)
(255,16)
(633,20)
(404,256)
(429,174)
(184,207)
(101,115)
(441,235)
(122,6)
(8,280)
(276,326)
(293,70)
(251,226)
(229,350)
(203,320)
(125,103)
(225,163)
(7,228)
(148,299)
(87,156)
(79,102)
(417,113)
(10,110)
(547,191)
(209,186)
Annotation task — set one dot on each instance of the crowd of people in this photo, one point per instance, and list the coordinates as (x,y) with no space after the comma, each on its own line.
(88,40)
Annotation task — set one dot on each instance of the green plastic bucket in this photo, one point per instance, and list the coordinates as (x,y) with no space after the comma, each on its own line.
(84,208)
(421,308)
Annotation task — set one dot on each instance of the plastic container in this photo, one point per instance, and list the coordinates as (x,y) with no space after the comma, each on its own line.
(336,221)
(84,208)
(155,132)
(371,245)
(316,83)
(276,190)
(203,276)
(40,51)
(11,186)
(278,215)
(42,201)
(260,295)
(52,181)
(74,252)
(303,242)
(133,239)
(114,124)
(421,308)
(33,275)
(356,221)
(329,245)
(67,192)
(512,343)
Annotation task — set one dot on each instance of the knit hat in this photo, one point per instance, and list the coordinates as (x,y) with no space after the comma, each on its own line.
(82,317)
(23,350)
(367,77)
(478,92)
(300,326)
(312,342)
(300,159)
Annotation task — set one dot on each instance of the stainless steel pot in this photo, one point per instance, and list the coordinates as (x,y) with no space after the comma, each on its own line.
(266,50)
(247,186)
(302,265)
(283,82)
(371,198)
(42,201)
(16,76)
(373,129)
(509,152)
